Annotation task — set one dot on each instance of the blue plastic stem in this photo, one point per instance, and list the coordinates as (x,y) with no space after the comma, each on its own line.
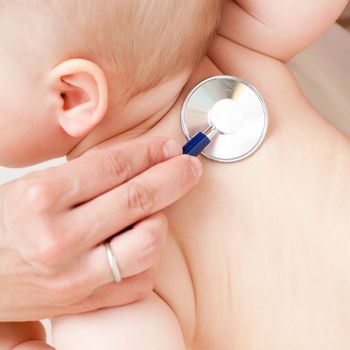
(196,145)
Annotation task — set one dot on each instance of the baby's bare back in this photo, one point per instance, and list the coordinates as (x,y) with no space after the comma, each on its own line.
(258,252)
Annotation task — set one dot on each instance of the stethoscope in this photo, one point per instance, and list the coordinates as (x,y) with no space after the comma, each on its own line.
(224,118)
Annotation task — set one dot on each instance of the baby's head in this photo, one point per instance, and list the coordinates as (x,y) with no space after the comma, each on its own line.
(77,69)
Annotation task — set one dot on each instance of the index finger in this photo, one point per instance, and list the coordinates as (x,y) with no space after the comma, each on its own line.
(99,171)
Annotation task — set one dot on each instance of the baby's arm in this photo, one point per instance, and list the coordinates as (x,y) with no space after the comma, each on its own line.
(278,28)
(148,325)
(23,336)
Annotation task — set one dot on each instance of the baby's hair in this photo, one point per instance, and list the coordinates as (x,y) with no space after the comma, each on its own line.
(141,42)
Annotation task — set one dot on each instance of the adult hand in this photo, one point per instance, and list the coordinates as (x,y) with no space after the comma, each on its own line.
(53,221)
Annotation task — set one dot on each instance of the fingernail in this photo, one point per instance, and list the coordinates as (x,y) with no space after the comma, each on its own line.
(196,166)
(171,149)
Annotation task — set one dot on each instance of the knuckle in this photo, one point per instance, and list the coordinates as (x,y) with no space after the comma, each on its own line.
(161,222)
(151,248)
(154,152)
(37,192)
(139,198)
(47,255)
(116,165)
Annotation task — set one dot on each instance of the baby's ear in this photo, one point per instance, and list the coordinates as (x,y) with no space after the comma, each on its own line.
(80,95)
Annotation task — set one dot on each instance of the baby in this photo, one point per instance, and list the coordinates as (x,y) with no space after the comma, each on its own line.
(258,253)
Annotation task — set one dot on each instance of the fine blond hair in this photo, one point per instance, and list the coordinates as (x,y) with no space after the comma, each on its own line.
(143,42)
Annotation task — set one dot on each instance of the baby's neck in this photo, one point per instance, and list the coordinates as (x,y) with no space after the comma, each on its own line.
(113,131)
(135,118)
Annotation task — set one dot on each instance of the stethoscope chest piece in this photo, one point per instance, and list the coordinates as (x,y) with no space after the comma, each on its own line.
(229,109)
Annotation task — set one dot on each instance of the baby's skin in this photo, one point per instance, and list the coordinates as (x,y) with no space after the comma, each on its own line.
(258,253)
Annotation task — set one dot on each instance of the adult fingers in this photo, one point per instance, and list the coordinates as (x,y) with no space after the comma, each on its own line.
(113,294)
(142,196)
(100,170)
(136,250)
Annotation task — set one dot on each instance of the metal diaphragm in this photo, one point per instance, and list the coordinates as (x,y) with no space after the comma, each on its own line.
(235,108)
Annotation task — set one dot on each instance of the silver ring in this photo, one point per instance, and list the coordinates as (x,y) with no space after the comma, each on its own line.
(113,263)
